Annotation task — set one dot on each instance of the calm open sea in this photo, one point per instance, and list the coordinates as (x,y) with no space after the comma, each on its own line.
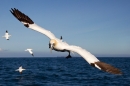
(61,72)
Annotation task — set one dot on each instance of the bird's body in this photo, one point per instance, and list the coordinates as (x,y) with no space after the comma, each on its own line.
(30,51)
(6,35)
(20,69)
(59,45)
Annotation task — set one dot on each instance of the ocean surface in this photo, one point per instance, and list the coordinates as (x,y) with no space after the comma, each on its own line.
(59,71)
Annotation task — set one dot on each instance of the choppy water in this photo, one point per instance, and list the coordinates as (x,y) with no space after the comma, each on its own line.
(61,72)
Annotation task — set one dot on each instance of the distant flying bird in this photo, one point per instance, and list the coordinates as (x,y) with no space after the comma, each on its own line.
(20,69)
(6,35)
(30,51)
(58,45)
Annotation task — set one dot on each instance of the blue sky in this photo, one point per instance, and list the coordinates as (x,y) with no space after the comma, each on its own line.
(100,26)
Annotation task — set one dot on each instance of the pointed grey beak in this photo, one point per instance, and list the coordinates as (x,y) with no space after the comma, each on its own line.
(49,45)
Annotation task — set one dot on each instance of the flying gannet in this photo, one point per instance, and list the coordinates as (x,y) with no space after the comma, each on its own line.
(6,35)
(30,51)
(58,45)
(20,69)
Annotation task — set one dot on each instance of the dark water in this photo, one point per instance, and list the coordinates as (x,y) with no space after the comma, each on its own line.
(61,72)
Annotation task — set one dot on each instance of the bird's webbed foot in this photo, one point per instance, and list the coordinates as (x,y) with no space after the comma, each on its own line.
(69,56)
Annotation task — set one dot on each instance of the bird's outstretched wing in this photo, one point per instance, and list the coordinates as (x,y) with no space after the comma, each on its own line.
(92,60)
(17,70)
(30,24)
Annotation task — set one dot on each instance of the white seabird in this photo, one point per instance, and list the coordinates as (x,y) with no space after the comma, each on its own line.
(58,45)
(30,51)
(20,69)
(6,35)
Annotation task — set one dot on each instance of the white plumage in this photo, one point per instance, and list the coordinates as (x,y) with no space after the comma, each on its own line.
(6,35)
(20,69)
(58,45)
(30,51)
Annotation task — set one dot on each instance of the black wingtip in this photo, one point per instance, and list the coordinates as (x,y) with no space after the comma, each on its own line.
(108,68)
(32,54)
(21,16)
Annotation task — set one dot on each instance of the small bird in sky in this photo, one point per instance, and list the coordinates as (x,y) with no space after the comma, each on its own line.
(6,35)
(30,51)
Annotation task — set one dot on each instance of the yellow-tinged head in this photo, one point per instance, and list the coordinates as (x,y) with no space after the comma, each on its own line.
(52,43)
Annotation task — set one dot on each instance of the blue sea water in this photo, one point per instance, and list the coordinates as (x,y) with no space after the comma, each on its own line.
(60,71)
